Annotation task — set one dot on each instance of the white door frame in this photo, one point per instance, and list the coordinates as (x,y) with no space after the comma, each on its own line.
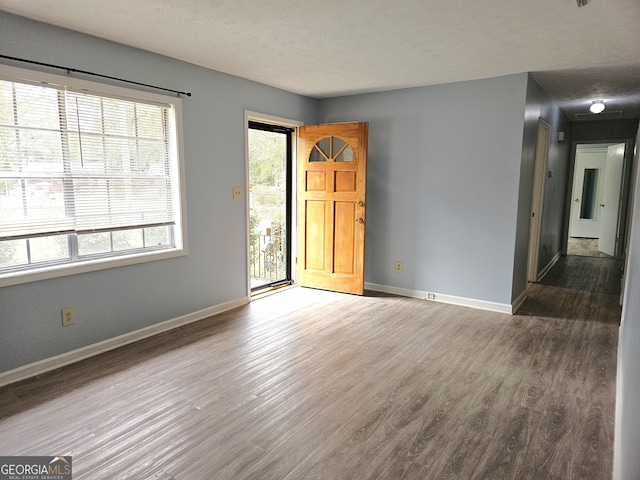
(537,197)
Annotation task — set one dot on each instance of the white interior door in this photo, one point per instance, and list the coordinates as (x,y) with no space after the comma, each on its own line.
(587,192)
(609,206)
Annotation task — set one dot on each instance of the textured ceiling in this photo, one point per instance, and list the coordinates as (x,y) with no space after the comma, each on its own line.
(326,48)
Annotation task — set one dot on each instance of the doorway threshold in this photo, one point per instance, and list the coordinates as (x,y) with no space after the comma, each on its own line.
(271,289)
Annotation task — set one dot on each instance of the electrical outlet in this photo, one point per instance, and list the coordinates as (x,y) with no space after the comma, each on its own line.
(431,296)
(398,267)
(67,317)
(237,193)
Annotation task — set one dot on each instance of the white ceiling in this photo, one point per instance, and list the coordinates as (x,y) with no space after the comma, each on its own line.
(325,48)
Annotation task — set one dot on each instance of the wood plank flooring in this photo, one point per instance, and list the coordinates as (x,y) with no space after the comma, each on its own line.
(306,384)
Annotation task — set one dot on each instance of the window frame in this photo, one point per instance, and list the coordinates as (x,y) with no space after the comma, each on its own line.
(46,270)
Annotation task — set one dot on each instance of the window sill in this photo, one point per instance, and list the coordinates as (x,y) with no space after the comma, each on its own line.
(48,272)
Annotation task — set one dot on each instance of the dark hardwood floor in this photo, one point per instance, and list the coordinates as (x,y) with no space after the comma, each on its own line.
(306,384)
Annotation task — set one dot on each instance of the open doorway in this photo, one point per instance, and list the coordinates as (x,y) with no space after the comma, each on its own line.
(597,211)
(269,149)
(537,198)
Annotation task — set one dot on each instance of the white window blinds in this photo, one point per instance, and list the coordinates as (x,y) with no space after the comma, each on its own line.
(76,162)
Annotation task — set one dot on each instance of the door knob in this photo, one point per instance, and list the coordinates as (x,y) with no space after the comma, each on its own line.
(577,200)
(359,220)
(602,204)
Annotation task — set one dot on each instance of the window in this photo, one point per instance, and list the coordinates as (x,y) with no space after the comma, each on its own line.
(89,175)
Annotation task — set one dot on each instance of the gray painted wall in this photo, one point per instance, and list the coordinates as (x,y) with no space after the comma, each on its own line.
(627,435)
(443,178)
(538,105)
(112,302)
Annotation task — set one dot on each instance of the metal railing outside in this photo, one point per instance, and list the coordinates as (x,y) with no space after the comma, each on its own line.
(267,259)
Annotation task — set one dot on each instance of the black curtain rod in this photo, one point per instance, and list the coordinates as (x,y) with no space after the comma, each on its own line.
(75,70)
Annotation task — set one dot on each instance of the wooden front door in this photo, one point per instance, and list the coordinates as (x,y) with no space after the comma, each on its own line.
(332,178)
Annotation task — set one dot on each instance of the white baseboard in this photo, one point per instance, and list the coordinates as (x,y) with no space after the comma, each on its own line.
(519,301)
(73,356)
(549,266)
(439,297)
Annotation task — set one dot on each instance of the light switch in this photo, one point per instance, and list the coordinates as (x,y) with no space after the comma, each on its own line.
(237,193)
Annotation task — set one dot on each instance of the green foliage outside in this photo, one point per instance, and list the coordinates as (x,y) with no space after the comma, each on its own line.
(267,183)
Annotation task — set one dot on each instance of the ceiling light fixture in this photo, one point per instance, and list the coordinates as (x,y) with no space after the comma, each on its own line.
(597,106)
